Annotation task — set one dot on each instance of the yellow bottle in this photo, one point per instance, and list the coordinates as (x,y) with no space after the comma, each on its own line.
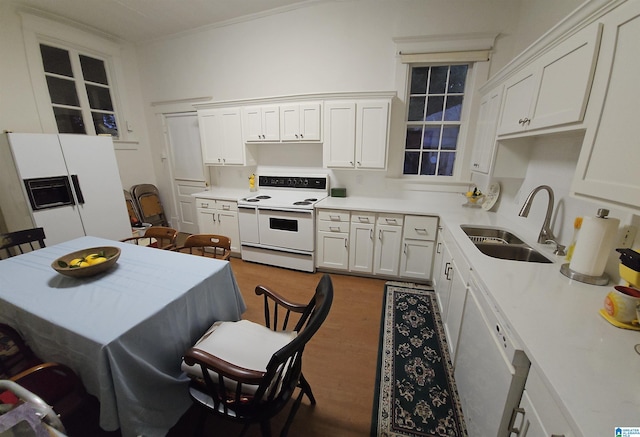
(577,224)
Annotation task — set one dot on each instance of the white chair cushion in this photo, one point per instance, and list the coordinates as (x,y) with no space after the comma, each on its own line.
(243,343)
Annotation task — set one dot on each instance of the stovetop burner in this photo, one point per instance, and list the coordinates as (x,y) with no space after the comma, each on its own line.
(302,202)
(311,199)
(253,200)
(263,196)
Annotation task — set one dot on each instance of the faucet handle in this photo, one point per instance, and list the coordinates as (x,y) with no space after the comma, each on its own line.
(560,249)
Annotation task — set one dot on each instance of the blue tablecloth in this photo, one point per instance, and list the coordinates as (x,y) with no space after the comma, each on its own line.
(123,331)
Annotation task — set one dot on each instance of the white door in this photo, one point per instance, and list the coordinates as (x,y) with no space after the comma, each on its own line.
(183,138)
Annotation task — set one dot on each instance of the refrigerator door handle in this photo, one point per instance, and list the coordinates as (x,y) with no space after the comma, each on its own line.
(76,188)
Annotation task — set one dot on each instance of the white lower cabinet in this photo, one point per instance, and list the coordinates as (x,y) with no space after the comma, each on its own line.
(538,414)
(418,240)
(332,242)
(219,217)
(362,242)
(386,252)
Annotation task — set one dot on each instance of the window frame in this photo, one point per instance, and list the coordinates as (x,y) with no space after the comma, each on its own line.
(440,50)
(38,30)
(443,123)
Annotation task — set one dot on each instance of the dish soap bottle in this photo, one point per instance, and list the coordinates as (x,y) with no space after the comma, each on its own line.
(577,224)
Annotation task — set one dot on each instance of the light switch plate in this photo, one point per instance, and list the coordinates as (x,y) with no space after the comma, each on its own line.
(628,236)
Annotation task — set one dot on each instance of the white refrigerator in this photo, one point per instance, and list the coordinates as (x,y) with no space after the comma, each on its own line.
(68,184)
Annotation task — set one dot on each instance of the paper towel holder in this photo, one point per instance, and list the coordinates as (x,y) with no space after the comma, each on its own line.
(593,280)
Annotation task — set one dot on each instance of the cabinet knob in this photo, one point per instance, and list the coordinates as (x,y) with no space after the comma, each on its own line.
(301,136)
(359,164)
(297,136)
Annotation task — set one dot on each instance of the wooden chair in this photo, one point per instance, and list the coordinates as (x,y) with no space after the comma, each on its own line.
(156,236)
(247,372)
(55,383)
(16,243)
(217,246)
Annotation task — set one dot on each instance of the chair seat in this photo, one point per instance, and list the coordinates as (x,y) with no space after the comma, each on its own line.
(243,343)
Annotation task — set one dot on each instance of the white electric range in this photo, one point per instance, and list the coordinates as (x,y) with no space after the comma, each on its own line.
(277,223)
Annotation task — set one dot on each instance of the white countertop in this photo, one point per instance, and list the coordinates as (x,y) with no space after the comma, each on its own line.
(590,366)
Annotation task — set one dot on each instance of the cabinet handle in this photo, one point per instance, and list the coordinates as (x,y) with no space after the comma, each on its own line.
(391,221)
(334,228)
(438,247)
(363,219)
(420,230)
(405,248)
(514,416)
(334,217)
(380,235)
(447,269)
(226,207)
(370,234)
(346,243)
(219,218)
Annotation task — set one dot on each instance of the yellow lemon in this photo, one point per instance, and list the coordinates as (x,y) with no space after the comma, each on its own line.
(76,261)
(96,260)
(83,264)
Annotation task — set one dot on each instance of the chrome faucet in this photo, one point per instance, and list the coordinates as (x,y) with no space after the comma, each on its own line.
(546,234)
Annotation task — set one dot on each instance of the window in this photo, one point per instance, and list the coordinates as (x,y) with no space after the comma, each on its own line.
(436,95)
(80,92)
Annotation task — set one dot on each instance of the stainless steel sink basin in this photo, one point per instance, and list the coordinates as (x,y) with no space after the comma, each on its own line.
(512,252)
(481,235)
(502,244)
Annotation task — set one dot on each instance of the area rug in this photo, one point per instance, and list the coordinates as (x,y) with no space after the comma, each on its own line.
(416,394)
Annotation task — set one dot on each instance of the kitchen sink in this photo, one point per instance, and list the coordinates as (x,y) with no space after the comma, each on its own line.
(490,235)
(512,252)
(502,244)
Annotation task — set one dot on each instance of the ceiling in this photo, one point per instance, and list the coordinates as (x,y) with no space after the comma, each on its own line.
(144,20)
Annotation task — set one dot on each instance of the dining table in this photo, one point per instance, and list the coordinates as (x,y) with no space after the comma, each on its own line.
(124,330)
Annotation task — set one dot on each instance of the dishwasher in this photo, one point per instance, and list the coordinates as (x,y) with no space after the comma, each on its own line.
(491,369)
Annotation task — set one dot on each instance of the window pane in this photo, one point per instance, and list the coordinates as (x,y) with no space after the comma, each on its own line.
(435,105)
(105,123)
(445,166)
(450,137)
(416,109)
(99,98)
(429,162)
(438,80)
(453,109)
(419,80)
(411,161)
(457,78)
(56,60)
(414,135)
(431,137)
(69,121)
(93,70)
(62,91)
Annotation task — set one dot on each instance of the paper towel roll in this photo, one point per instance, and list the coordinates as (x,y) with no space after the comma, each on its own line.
(594,245)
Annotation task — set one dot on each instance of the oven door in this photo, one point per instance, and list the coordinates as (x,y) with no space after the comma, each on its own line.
(291,229)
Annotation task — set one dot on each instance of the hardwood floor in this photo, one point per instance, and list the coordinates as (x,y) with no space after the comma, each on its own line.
(339,361)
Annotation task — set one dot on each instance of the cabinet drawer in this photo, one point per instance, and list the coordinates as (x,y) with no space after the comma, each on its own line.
(420,227)
(363,217)
(328,226)
(390,219)
(226,205)
(333,215)
(205,203)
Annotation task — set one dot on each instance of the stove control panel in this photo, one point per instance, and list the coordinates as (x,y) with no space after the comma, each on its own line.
(316,183)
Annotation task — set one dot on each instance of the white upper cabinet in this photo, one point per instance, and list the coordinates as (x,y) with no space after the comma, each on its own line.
(485,137)
(554,89)
(221,136)
(300,122)
(356,133)
(261,123)
(608,166)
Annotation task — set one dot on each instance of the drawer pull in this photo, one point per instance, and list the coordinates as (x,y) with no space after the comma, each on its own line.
(392,220)
(420,230)
(514,416)
(334,228)
(363,219)
(227,207)
(334,217)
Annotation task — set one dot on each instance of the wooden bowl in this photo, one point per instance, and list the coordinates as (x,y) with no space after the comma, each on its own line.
(61,265)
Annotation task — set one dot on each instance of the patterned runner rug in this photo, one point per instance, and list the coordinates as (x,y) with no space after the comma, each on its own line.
(415,394)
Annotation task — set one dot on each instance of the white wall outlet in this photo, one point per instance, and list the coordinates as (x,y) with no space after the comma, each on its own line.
(628,235)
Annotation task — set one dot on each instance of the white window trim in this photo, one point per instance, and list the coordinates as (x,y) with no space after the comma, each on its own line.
(37,30)
(477,75)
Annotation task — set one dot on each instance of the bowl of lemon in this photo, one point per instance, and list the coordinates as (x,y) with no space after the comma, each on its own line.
(87,262)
